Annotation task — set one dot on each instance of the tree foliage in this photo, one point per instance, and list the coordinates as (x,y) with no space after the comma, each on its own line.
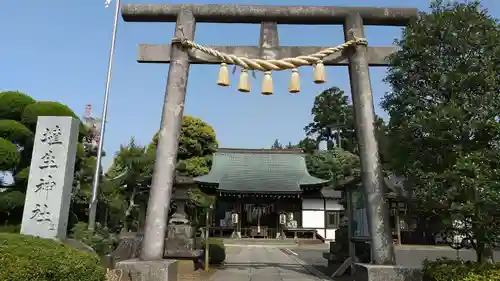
(16,132)
(197,143)
(10,200)
(44,108)
(333,115)
(308,145)
(277,144)
(444,111)
(197,138)
(9,156)
(336,164)
(194,167)
(127,182)
(13,104)
(331,112)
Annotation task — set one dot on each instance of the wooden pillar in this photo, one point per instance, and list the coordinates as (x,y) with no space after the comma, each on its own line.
(371,171)
(325,219)
(168,142)
(350,230)
(240,217)
(398,226)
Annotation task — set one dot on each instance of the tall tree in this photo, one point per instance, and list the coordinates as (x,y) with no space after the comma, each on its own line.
(197,143)
(127,183)
(277,144)
(444,110)
(126,188)
(308,145)
(333,115)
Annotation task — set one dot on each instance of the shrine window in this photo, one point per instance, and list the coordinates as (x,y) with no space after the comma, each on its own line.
(333,218)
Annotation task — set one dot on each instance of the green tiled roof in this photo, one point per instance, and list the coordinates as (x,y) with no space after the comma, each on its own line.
(259,171)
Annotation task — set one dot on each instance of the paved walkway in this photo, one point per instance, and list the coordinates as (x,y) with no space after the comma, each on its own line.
(261,264)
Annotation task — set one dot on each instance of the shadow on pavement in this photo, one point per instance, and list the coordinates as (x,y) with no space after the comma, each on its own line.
(291,267)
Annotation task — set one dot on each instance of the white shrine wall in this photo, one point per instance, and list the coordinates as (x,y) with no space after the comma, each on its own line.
(314,213)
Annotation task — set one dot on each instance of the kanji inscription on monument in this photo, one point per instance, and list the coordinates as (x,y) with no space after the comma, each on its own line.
(50,181)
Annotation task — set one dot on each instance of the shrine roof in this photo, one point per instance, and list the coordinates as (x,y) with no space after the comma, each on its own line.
(260,171)
(394,186)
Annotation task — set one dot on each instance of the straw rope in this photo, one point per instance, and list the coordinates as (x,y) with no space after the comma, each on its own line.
(271,64)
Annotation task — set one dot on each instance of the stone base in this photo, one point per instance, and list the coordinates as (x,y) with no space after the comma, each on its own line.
(129,248)
(137,270)
(185,267)
(77,245)
(371,272)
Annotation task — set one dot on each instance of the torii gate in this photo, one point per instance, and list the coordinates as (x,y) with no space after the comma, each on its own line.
(358,58)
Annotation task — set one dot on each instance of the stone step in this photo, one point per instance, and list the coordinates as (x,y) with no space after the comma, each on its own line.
(263,241)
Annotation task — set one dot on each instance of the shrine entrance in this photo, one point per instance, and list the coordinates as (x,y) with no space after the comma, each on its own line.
(267,57)
(259,216)
(255,220)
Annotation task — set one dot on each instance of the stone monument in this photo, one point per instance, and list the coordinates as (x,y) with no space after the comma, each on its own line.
(50,182)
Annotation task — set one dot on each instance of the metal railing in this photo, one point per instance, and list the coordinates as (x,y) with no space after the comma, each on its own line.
(261,233)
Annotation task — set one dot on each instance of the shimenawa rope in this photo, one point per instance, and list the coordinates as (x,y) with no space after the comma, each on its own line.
(268,65)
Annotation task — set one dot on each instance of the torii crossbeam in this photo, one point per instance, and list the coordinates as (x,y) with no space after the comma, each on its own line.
(358,59)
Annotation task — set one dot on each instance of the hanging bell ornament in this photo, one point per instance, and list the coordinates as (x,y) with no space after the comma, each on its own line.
(267,84)
(223,79)
(244,83)
(319,72)
(294,81)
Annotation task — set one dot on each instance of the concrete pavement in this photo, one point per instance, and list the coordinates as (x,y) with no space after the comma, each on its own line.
(263,264)
(406,255)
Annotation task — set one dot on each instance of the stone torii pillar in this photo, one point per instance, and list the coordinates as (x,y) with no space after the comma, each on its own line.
(269,17)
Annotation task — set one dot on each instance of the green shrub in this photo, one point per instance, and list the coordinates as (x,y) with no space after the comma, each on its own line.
(9,156)
(458,270)
(490,275)
(100,240)
(12,104)
(10,228)
(21,178)
(216,250)
(44,108)
(11,205)
(15,132)
(28,258)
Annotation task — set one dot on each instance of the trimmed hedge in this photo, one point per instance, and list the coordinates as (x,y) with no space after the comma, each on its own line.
(13,103)
(457,270)
(100,239)
(21,178)
(9,156)
(28,258)
(15,132)
(44,108)
(10,228)
(216,250)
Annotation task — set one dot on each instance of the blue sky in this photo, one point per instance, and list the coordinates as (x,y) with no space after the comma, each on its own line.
(57,50)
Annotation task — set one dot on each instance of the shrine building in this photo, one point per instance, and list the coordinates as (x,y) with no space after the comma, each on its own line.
(272,194)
